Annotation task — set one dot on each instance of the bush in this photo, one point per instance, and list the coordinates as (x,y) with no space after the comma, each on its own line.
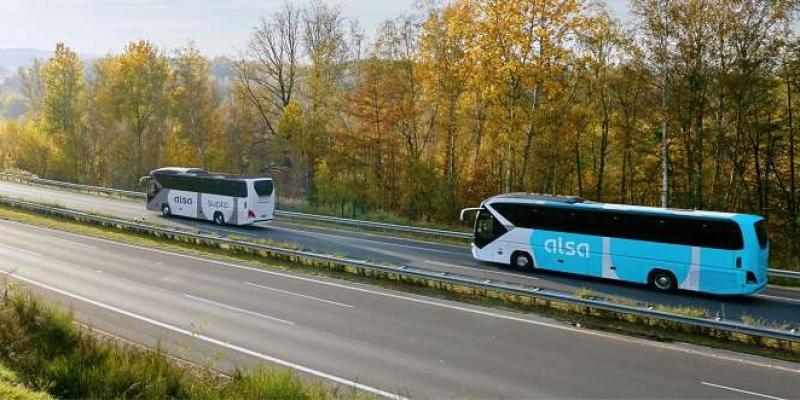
(48,351)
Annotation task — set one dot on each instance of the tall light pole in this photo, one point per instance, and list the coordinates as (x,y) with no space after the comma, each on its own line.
(664,154)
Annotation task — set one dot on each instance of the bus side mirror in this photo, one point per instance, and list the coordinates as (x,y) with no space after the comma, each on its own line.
(465,211)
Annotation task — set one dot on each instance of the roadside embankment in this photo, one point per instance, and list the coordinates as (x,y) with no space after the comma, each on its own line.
(45,349)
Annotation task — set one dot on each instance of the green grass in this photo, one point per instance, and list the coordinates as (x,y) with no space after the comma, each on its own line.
(46,349)
(761,322)
(12,389)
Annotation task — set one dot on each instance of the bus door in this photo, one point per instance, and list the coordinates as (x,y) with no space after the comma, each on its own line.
(487,230)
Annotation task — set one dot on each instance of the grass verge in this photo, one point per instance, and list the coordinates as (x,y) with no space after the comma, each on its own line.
(629,324)
(12,389)
(48,351)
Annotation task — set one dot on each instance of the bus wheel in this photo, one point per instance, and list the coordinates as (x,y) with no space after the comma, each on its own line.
(219,219)
(663,280)
(165,211)
(521,261)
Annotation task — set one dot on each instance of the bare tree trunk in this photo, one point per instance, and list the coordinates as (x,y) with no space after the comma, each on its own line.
(578,167)
(603,146)
(528,140)
(792,170)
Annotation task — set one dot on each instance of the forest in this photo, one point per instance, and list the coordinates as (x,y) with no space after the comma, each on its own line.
(446,106)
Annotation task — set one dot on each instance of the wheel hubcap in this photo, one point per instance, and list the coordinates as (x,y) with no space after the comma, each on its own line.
(663,282)
(522,261)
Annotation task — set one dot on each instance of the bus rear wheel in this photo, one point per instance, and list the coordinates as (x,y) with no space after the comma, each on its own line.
(522,261)
(219,219)
(663,280)
(165,211)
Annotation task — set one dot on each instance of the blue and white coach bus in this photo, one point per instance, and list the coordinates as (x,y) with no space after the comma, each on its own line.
(711,252)
(222,198)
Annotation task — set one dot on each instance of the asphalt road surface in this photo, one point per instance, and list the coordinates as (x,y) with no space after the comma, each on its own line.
(387,342)
(771,305)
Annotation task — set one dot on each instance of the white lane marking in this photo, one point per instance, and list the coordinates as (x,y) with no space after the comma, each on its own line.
(482,270)
(769,296)
(298,295)
(766,396)
(14,249)
(626,339)
(407,246)
(213,340)
(237,309)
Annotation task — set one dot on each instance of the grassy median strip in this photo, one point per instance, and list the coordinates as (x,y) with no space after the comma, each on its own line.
(583,316)
(43,347)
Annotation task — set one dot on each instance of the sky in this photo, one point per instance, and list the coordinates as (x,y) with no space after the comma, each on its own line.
(218,27)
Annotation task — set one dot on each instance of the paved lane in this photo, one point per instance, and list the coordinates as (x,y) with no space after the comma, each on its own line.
(773,305)
(388,341)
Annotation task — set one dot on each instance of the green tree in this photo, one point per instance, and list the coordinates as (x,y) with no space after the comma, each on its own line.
(195,109)
(63,114)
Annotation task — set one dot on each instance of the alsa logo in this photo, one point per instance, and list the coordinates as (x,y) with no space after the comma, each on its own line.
(182,200)
(567,248)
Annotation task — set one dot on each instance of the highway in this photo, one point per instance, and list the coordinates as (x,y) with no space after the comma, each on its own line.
(772,305)
(387,342)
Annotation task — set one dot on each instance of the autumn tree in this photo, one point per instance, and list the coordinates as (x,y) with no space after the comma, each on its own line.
(136,94)
(267,74)
(63,112)
(197,125)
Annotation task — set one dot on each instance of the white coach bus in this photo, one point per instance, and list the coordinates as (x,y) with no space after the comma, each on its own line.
(222,198)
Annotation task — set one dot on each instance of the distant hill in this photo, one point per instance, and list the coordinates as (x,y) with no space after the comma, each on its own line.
(11,59)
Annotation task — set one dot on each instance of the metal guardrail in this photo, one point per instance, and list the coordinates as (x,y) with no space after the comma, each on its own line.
(88,188)
(777,273)
(375,225)
(435,276)
(782,273)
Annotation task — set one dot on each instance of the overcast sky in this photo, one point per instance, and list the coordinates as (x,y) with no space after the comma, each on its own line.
(218,27)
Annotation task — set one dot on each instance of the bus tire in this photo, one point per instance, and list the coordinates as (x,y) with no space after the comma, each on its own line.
(522,261)
(165,211)
(662,280)
(219,219)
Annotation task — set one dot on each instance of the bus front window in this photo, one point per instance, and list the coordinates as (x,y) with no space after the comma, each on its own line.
(487,228)
(152,188)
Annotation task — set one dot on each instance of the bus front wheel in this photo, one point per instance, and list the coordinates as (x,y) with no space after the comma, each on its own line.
(663,280)
(165,211)
(521,261)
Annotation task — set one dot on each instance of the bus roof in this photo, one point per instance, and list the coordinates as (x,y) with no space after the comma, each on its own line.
(577,202)
(201,173)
